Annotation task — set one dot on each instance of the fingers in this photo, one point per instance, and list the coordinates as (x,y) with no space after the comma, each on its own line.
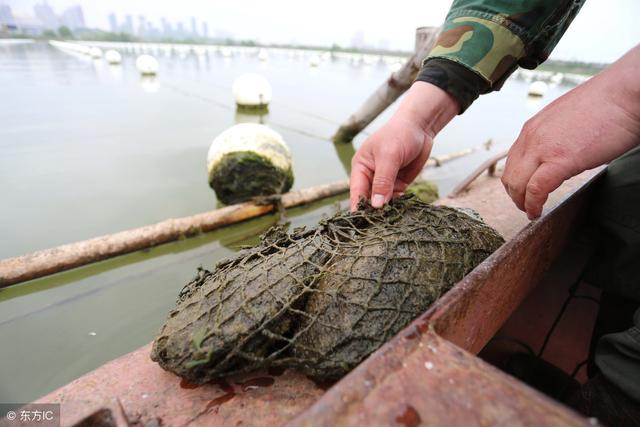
(383,182)
(517,172)
(360,183)
(546,178)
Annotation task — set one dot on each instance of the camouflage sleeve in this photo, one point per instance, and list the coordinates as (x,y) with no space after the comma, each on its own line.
(483,41)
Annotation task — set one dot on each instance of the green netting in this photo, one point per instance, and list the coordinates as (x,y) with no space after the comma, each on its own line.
(321,300)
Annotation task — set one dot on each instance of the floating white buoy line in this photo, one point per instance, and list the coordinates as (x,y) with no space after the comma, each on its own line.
(113,57)
(314,60)
(557,78)
(249,160)
(538,88)
(95,52)
(252,92)
(147,65)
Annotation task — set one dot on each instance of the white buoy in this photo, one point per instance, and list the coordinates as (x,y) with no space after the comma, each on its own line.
(95,52)
(251,90)
(249,160)
(538,88)
(263,55)
(326,56)
(314,60)
(113,57)
(147,65)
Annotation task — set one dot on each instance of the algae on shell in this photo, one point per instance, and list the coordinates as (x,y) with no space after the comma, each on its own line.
(323,299)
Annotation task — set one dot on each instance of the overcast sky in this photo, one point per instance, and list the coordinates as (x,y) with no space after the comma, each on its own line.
(603,31)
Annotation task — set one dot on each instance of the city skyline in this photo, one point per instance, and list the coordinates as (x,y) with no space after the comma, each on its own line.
(601,32)
(72,17)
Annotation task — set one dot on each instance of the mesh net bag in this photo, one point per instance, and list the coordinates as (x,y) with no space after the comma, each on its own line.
(321,300)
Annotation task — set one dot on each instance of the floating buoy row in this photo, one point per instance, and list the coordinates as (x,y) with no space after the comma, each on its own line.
(146,64)
(549,77)
(314,57)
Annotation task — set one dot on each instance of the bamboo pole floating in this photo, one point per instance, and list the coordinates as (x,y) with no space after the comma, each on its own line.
(66,257)
(55,260)
(391,89)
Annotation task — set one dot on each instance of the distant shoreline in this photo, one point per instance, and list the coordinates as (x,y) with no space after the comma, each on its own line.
(89,35)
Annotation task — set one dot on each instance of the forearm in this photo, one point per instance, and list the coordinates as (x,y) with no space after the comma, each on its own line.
(430,107)
(620,82)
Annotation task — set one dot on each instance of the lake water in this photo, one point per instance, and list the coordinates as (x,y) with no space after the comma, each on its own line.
(88,149)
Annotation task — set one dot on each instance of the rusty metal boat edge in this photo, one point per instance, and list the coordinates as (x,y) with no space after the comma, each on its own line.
(427,374)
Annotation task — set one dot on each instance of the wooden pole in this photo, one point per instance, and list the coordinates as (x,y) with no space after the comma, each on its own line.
(391,89)
(66,257)
(72,255)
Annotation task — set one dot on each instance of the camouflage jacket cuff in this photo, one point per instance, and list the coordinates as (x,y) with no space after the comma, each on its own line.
(483,43)
(457,80)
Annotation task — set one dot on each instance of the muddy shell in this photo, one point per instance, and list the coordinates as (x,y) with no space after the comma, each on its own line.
(321,300)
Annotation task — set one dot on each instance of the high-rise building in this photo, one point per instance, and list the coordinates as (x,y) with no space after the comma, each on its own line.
(113,23)
(6,17)
(194,27)
(205,30)
(127,27)
(142,25)
(46,16)
(167,30)
(73,17)
(180,32)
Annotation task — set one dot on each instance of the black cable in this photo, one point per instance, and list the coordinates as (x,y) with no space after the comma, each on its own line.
(572,295)
(556,321)
(577,368)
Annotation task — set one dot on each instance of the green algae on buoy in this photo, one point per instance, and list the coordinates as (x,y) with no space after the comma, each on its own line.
(249,160)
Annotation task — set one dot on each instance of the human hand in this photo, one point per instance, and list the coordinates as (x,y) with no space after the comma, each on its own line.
(585,128)
(391,158)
